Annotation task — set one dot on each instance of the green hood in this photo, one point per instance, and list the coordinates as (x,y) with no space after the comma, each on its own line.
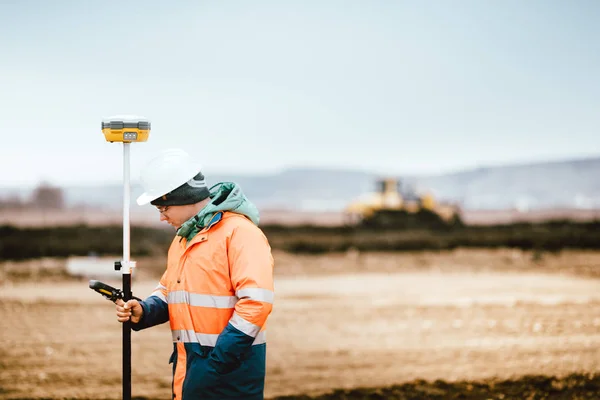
(225,196)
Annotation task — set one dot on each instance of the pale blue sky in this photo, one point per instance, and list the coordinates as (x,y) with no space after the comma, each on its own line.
(258,86)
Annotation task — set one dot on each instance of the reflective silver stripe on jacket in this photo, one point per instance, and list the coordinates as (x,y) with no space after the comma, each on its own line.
(206,339)
(158,292)
(242,325)
(257,294)
(201,300)
(160,295)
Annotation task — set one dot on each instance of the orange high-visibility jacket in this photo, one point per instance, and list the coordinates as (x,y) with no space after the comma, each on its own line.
(216,293)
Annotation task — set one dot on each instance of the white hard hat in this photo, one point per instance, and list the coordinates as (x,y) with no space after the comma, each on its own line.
(169,170)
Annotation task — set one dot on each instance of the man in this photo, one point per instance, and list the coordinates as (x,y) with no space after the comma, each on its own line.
(217,290)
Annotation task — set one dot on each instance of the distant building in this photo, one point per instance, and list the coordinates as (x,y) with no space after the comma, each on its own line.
(48,197)
(13,202)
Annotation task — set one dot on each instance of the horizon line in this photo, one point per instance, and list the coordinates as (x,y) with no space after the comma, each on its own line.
(466,169)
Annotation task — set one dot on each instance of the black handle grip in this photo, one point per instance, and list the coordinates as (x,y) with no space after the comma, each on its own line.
(111,293)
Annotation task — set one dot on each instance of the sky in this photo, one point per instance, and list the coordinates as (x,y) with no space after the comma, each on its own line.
(396,87)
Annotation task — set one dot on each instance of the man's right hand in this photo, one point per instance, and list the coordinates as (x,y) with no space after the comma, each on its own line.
(132,309)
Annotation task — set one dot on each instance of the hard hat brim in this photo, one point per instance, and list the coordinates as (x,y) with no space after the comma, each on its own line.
(146,198)
(168,171)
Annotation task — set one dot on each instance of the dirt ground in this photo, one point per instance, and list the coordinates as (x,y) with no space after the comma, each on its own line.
(340,322)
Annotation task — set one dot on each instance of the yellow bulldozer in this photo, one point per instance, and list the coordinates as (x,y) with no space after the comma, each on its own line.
(392,206)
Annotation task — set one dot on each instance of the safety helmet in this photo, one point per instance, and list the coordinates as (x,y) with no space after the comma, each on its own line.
(167,171)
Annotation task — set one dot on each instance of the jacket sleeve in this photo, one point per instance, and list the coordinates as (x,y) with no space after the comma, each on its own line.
(156,309)
(251,269)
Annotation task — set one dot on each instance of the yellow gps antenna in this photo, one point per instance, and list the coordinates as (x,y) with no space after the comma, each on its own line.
(126,129)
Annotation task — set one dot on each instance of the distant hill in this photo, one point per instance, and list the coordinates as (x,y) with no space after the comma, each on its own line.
(561,184)
(573,184)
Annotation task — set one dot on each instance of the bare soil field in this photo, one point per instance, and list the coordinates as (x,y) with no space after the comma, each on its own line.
(452,324)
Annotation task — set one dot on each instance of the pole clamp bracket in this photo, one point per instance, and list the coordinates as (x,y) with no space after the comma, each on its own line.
(126,267)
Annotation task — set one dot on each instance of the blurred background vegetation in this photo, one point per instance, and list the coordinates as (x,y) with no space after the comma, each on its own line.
(21,243)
